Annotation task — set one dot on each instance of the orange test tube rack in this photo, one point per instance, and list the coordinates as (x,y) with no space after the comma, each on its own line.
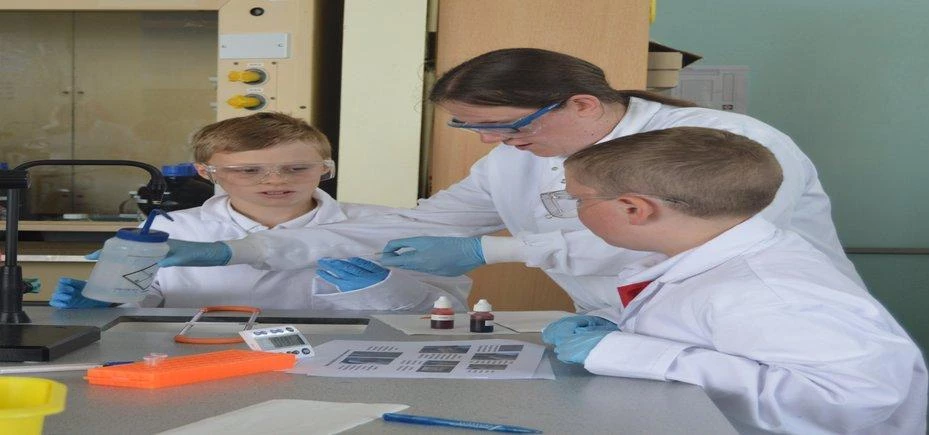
(188,369)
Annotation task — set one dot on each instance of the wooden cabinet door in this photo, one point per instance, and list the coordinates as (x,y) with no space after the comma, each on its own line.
(612,34)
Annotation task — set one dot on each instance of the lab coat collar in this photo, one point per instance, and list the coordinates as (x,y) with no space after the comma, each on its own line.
(219,209)
(638,113)
(738,240)
(753,234)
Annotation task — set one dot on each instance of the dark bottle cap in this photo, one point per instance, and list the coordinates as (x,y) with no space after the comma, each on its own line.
(179,170)
(144,234)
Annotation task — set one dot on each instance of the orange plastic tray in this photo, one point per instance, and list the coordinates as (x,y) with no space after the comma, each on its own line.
(189,369)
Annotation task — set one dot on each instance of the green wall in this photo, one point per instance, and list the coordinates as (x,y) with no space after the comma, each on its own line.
(849,81)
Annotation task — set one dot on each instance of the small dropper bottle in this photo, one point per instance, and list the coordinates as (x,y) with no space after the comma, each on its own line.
(442,315)
(482,319)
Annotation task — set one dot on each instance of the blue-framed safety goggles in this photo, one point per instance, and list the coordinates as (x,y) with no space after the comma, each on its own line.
(524,125)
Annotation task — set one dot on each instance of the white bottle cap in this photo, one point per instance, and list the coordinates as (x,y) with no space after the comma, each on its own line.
(442,302)
(483,306)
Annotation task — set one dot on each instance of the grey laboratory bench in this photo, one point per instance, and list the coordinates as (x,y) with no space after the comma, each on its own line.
(576,402)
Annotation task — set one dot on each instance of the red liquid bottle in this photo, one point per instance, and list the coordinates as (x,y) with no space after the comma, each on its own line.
(482,320)
(442,315)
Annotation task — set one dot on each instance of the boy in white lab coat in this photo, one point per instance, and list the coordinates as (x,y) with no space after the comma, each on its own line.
(269,166)
(778,338)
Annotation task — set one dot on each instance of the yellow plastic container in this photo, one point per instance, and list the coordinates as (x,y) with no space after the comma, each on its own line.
(24,403)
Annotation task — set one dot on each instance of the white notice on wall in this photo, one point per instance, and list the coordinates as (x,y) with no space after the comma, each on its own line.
(714,87)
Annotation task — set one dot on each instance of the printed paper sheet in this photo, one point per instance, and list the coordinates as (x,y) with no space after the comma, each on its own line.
(469,359)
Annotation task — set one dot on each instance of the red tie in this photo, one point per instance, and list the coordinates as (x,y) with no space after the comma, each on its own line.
(628,292)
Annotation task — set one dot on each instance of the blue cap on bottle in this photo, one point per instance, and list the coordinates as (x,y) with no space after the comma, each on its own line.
(144,234)
(179,170)
(4,166)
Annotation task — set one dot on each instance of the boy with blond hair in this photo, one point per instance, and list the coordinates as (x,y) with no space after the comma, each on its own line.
(778,338)
(269,166)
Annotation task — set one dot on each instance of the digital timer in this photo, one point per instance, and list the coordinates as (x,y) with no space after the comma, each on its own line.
(279,339)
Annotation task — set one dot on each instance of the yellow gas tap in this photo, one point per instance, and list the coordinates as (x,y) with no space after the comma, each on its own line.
(250,101)
(247,76)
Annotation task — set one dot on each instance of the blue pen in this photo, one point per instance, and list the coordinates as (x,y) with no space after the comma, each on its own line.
(435,421)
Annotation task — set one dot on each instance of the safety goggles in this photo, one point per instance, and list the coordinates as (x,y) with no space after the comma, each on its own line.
(523,126)
(562,204)
(252,174)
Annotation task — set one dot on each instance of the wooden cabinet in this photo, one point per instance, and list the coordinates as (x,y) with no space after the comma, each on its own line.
(610,33)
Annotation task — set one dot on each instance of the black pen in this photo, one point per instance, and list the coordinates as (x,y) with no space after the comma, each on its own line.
(435,421)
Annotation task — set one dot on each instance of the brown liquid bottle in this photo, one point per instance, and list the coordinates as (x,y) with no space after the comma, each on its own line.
(442,315)
(482,320)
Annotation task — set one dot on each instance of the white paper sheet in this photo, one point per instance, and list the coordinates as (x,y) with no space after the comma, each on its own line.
(466,359)
(418,324)
(285,417)
(528,321)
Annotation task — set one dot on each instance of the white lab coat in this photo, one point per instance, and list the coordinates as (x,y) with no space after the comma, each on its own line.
(502,191)
(291,289)
(775,335)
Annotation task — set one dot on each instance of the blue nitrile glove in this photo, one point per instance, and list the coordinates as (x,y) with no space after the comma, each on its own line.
(184,253)
(446,256)
(575,349)
(567,327)
(350,274)
(68,294)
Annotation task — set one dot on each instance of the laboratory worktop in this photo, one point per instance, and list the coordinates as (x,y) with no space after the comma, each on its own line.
(575,402)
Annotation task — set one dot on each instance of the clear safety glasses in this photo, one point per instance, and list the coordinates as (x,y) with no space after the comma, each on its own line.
(250,175)
(562,204)
(526,125)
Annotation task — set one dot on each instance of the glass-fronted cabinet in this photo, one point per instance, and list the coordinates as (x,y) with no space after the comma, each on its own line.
(101,85)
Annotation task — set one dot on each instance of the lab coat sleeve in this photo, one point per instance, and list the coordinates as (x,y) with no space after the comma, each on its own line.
(466,206)
(821,372)
(463,210)
(455,288)
(575,253)
(401,291)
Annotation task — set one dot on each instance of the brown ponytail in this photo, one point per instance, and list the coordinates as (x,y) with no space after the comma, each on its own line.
(531,78)
(656,97)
